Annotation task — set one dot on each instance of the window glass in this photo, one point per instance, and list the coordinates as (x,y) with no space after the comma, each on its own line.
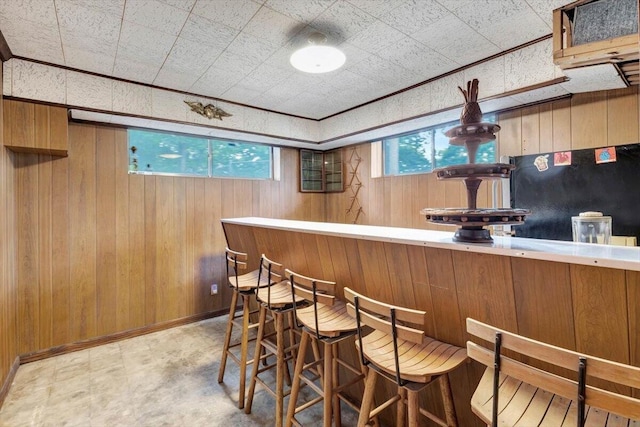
(237,159)
(427,149)
(167,153)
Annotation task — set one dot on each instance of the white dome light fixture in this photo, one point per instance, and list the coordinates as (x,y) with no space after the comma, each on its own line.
(317,57)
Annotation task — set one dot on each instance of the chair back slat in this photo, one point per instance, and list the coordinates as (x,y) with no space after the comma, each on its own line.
(303,287)
(271,270)
(568,388)
(597,368)
(382,325)
(403,314)
(236,259)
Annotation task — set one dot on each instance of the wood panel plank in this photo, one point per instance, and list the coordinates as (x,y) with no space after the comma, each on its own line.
(42,125)
(546,127)
(589,120)
(543,301)
(530,130)
(138,250)
(58,132)
(165,307)
(27,250)
(150,244)
(561,116)
(122,230)
(82,233)
(600,331)
(106,277)
(622,109)
(485,288)
(509,138)
(44,254)
(633,306)
(60,250)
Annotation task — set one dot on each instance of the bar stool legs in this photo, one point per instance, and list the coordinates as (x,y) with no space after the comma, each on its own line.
(244,344)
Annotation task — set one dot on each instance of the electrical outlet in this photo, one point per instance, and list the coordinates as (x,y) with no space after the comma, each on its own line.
(214,289)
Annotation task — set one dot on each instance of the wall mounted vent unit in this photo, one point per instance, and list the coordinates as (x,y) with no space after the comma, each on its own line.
(595,32)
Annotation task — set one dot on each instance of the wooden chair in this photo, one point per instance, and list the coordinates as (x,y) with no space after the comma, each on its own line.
(515,393)
(323,320)
(243,286)
(403,354)
(277,301)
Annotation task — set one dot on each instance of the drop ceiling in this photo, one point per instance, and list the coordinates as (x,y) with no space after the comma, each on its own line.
(238,50)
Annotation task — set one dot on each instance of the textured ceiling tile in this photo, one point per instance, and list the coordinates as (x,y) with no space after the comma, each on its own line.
(35,11)
(464,45)
(265,77)
(234,13)
(238,65)
(131,98)
(143,44)
(506,23)
(83,42)
(445,93)
(416,101)
(24,42)
(38,81)
(180,4)
(241,94)
(381,70)
(7,77)
(168,105)
(86,90)
(215,82)
(252,48)
(89,61)
(111,7)
(412,17)
(342,21)
(303,11)
(207,32)
(158,16)
(545,8)
(529,66)
(415,56)
(542,93)
(490,74)
(376,37)
(175,78)
(135,71)
(191,57)
(88,19)
(378,8)
(280,26)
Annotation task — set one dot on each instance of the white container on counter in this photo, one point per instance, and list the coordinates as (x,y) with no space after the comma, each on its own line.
(591,227)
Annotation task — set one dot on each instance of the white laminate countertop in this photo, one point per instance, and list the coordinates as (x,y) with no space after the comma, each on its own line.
(621,257)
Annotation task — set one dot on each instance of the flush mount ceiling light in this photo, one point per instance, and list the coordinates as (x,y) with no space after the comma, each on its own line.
(317,57)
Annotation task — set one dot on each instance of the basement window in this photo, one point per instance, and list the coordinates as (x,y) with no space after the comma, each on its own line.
(426,149)
(165,153)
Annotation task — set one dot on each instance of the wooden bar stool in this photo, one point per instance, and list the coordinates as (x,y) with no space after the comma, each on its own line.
(244,286)
(276,299)
(323,320)
(403,354)
(519,392)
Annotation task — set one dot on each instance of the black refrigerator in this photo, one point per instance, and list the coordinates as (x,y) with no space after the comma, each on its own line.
(557,186)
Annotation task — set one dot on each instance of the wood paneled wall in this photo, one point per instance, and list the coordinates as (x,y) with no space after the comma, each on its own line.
(8,288)
(594,119)
(101,251)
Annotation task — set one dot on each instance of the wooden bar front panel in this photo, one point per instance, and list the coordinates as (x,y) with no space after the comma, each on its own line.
(576,307)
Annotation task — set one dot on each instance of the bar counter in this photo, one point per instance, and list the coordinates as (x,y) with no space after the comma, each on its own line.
(578,296)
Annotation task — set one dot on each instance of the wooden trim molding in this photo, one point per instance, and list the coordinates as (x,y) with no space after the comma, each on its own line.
(4,390)
(118,336)
(5,51)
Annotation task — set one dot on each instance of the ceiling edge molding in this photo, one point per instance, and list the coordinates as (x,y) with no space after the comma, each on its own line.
(5,51)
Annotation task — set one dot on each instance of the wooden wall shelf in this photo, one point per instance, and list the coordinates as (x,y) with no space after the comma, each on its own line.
(35,128)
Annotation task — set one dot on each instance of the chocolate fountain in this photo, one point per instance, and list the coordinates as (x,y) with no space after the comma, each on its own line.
(471,133)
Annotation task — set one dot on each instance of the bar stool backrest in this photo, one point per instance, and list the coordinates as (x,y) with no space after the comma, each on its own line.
(236,264)
(270,272)
(603,369)
(386,317)
(312,290)
(389,319)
